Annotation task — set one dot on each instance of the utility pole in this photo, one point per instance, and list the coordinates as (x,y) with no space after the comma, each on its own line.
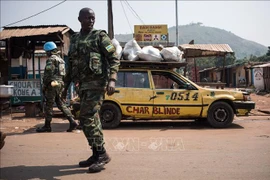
(110,19)
(176,28)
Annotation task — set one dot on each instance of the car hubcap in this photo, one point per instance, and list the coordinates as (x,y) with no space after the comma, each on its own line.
(107,116)
(220,115)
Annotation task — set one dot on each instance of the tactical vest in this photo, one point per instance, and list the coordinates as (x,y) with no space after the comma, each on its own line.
(87,60)
(60,70)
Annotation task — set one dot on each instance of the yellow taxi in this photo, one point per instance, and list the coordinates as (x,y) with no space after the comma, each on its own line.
(147,90)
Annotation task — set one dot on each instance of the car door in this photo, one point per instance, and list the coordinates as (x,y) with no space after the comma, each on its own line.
(134,94)
(172,98)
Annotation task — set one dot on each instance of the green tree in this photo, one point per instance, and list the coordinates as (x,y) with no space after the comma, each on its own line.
(268,52)
(205,62)
(264,58)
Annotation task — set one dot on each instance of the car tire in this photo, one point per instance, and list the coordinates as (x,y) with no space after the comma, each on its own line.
(110,116)
(220,115)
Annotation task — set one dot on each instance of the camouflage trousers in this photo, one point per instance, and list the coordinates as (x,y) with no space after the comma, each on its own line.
(53,94)
(90,104)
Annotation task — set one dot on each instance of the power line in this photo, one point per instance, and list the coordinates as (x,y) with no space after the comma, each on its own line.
(126,16)
(134,12)
(34,14)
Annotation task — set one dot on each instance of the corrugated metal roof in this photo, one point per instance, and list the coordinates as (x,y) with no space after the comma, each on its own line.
(262,65)
(207,69)
(202,50)
(23,31)
(209,47)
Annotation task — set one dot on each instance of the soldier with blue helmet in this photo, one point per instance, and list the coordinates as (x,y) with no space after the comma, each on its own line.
(93,64)
(53,84)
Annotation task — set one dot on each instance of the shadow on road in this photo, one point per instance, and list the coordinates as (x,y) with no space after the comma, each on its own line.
(166,125)
(56,128)
(136,125)
(40,172)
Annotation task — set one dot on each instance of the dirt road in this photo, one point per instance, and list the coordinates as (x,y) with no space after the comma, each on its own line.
(159,150)
(141,150)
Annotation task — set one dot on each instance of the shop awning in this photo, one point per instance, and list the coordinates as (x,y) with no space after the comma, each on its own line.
(205,50)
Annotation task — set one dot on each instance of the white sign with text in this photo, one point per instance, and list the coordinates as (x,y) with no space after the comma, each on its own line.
(25,88)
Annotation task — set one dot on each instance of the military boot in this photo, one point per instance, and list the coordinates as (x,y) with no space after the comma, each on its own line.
(100,161)
(2,137)
(72,124)
(90,160)
(45,128)
(80,126)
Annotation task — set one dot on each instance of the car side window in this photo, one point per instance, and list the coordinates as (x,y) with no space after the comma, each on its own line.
(120,79)
(133,79)
(165,80)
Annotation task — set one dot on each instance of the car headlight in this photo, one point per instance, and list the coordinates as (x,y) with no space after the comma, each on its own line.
(246,97)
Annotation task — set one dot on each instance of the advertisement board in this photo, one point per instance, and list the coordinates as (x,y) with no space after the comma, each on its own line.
(151,32)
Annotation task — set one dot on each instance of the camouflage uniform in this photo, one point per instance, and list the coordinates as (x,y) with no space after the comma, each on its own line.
(54,71)
(92,63)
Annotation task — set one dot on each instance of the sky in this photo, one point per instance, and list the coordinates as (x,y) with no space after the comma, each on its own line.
(248,19)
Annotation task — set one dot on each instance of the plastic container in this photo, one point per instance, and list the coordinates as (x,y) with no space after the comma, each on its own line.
(6,91)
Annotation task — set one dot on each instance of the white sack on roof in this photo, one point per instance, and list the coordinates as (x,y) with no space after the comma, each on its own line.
(171,54)
(131,50)
(149,53)
(118,48)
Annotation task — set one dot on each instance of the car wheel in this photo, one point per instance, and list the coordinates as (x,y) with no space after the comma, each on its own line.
(110,115)
(220,115)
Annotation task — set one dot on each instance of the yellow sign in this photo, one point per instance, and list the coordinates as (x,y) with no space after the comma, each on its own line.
(151,33)
(151,29)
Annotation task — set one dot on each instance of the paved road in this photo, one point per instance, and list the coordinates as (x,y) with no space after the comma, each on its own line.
(150,150)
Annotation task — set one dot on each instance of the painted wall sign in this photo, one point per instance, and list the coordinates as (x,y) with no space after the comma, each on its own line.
(25,90)
(258,74)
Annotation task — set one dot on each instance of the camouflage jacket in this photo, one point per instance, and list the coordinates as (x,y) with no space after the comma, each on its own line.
(91,60)
(52,70)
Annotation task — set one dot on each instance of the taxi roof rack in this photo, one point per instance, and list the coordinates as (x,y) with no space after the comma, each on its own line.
(151,64)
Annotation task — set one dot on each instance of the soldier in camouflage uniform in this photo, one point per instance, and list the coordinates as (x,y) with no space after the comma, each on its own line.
(94,65)
(53,87)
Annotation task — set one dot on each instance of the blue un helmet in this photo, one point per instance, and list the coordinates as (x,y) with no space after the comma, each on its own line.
(48,46)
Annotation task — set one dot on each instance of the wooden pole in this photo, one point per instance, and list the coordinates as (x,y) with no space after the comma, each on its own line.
(176,18)
(223,76)
(9,58)
(195,70)
(33,59)
(110,20)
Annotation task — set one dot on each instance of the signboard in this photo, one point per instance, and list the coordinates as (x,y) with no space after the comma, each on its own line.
(151,32)
(151,29)
(25,90)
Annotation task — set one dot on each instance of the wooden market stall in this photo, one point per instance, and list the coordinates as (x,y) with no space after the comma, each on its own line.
(26,60)
(193,51)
